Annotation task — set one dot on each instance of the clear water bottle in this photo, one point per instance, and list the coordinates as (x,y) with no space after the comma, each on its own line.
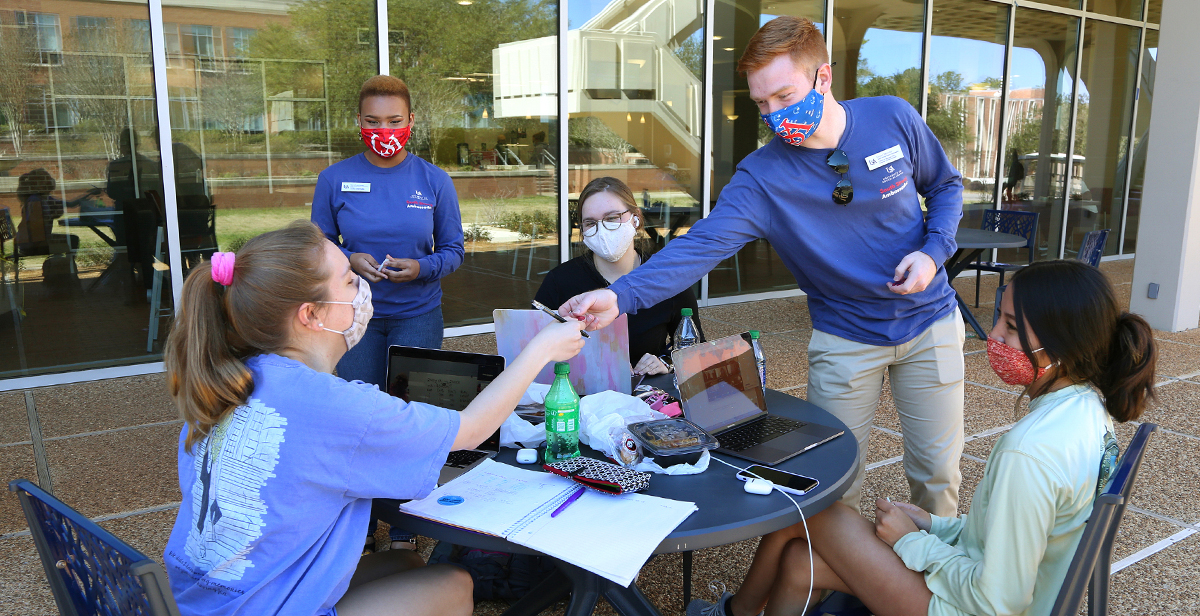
(686,334)
(562,417)
(759,358)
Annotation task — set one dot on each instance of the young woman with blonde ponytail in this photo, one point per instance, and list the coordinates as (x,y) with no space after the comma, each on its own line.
(279,459)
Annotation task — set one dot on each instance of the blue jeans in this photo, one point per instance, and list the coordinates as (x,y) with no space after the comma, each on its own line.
(367,361)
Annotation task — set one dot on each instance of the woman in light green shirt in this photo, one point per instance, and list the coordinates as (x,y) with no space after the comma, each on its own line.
(1084,363)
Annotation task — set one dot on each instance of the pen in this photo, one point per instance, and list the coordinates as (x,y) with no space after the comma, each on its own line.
(574,497)
(558,317)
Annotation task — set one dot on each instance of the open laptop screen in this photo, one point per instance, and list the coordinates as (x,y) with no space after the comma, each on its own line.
(719,382)
(448,379)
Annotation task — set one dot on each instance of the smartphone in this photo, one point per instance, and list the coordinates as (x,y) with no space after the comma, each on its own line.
(788,482)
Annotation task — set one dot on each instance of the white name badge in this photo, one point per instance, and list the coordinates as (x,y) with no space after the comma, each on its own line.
(880,159)
(356,187)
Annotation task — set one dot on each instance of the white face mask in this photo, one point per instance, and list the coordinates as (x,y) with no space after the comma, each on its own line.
(363,311)
(612,244)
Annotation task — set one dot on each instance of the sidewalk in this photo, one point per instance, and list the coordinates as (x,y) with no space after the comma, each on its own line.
(108,449)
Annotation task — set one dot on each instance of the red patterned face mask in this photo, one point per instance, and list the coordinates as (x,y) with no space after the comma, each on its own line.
(1011,365)
(386,142)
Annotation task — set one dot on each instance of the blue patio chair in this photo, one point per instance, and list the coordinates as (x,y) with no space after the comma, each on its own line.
(90,571)
(1024,224)
(996,308)
(1093,247)
(1090,567)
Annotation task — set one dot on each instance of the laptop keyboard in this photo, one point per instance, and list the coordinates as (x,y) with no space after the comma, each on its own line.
(757,433)
(464,458)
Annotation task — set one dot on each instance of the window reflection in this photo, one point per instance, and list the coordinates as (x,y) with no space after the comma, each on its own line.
(1129,9)
(486,105)
(966,67)
(1038,124)
(637,74)
(738,130)
(1141,141)
(877,49)
(75,93)
(1102,122)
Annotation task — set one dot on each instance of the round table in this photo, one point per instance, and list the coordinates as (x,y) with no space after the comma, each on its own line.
(726,512)
(971,244)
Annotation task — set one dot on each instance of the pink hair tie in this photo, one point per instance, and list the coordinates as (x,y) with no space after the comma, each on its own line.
(222,268)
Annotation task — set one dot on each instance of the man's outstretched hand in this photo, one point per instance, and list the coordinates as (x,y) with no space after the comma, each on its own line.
(595,308)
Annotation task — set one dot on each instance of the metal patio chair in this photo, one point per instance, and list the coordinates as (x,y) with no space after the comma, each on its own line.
(1093,247)
(1024,224)
(90,571)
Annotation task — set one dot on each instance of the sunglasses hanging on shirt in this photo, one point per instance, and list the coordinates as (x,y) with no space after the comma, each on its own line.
(843,192)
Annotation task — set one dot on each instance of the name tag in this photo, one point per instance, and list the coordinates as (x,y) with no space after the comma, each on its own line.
(360,186)
(880,159)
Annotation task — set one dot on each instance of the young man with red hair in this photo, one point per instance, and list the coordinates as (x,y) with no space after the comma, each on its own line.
(839,196)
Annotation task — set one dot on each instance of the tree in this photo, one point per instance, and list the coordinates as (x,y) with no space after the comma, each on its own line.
(17,55)
(232,99)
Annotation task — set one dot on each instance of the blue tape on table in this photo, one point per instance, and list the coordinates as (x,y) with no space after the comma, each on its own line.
(450,500)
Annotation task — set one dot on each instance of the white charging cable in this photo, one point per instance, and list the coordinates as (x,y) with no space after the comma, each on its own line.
(807,539)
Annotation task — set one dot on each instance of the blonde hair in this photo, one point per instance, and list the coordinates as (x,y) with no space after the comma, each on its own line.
(795,36)
(218,328)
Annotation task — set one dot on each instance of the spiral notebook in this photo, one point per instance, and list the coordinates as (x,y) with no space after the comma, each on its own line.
(611,536)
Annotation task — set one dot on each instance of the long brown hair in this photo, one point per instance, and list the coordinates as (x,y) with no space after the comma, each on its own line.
(217,327)
(1072,309)
(621,191)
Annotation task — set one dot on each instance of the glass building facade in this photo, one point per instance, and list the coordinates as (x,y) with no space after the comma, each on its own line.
(139,137)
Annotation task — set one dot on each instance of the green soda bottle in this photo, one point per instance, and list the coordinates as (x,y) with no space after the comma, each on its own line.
(562,417)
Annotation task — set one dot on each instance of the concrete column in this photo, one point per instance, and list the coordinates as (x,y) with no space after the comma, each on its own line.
(1168,248)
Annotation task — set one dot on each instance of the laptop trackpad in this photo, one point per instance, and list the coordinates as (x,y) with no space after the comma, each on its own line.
(792,442)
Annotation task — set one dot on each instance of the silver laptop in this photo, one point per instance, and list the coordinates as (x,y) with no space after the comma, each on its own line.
(448,379)
(722,392)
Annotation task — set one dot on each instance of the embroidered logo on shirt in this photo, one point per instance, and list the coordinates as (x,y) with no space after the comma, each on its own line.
(227,506)
(418,201)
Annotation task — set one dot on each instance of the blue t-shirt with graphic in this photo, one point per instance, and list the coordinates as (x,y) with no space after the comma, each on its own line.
(277,497)
(409,211)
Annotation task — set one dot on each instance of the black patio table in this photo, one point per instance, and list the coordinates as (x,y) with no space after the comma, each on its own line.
(971,244)
(726,514)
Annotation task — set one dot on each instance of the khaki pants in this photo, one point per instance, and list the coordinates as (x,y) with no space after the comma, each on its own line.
(846,378)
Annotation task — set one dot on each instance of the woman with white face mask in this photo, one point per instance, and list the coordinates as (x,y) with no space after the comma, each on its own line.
(611,222)
(279,459)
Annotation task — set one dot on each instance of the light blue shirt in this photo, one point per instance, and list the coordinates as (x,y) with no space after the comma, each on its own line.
(277,497)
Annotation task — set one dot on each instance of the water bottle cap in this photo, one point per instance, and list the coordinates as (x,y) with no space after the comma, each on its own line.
(755,334)
(687,312)
(562,367)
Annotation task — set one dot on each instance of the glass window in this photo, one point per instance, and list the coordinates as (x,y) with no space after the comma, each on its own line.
(1102,123)
(1129,9)
(486,108)
(877,49)
(1038,124)
(966,81)
(1154,11)
(738,130)
(250,133)
(81,192)
(239,41)
(139,32)
(1141,141)
(638,71)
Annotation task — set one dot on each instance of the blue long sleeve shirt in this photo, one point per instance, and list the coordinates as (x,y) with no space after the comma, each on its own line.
(409,211)
(843,257)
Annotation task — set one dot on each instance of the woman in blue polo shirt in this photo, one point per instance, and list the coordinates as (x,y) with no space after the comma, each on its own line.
(395,216)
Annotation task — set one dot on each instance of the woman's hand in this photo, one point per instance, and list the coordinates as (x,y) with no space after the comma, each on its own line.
(650,364)
(891,522)
(365,265)
(558,341)
(400,270)
(919,516)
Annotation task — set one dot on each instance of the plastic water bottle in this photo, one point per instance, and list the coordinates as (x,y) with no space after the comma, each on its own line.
(686,334)
(562,417)
(759,358)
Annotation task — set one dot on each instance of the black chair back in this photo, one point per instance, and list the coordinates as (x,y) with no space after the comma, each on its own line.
(1024,224)
(1093,558)
(1093,247)
(90,571)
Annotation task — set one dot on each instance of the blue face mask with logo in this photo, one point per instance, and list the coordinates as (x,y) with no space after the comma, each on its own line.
(797,121)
